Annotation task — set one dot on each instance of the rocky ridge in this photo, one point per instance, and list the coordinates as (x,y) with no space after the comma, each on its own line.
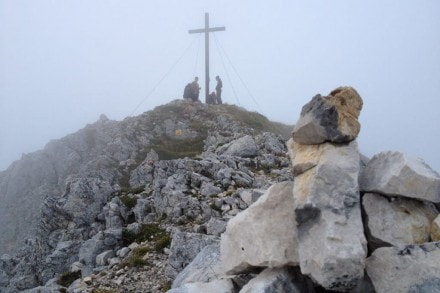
(184,165)
(232,218)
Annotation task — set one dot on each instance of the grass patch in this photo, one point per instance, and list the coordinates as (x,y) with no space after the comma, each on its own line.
(170,149)
(136,257)
(165,286)
(128,201)
(102,290)
(67,278)
(148,232)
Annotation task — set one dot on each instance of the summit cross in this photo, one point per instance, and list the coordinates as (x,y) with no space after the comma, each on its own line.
(207,30)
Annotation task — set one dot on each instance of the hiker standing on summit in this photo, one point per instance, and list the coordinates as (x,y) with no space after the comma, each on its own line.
(218,89)
(196,88)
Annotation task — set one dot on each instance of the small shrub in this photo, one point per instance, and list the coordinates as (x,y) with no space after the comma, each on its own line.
(102,290)
(214,207)
(165,286)
(147,232)
(128,201)
(162,242)
(136,257)
(67,278)
(128,237)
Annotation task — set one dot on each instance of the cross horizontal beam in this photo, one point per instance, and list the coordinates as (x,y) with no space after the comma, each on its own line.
(212,29)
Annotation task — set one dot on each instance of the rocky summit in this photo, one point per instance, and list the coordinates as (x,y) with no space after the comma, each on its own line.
(191,197)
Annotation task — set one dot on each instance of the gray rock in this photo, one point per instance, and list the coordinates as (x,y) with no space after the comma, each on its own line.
(143,174)
(395,173)
(89,250)
(208,189)
(271,221)
(216,286)
(205,267)
(216,226)
(396,221)
(279,280)
(184,248)
(332,118)
(412,268)
(332,245)
(244,147)
(123,252)
(103,257)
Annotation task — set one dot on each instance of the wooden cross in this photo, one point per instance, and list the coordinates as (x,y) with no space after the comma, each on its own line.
(207,30)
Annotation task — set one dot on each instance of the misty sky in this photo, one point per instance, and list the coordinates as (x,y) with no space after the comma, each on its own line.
(63,63)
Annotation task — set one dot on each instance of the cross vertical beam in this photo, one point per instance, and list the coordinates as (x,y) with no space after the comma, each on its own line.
(207,30)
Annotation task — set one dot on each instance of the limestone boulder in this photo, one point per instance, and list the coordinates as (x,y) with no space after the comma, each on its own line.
(184,248)
(264,235)
(215,286)
(435,229)
(204,268)
(411,268)
(395,173)
(286,279)
(244,147)
(332,245)
(397,221)
(333,118)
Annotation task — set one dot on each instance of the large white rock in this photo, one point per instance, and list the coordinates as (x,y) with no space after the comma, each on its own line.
(264,235)
(395,173)
(204,268)
(332,245)
(216,286)
(412,268)
(279,280)
(397,220)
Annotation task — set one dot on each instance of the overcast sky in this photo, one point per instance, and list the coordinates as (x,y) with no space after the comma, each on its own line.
(63,63)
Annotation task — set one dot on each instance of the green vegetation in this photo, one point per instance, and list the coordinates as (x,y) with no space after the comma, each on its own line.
(165,286)
(148,232)
(101,290)
(67,278)
(170,149)
(136,258)
(128,201)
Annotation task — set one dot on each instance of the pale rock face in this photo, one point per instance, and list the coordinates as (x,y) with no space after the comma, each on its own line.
(204,268)
(216,286)
(395,173)
(412,268)
(286,279)
(435,229)
(264,235)
(184,249)
(333,118)
(243,147)
(397,221)
(332,245)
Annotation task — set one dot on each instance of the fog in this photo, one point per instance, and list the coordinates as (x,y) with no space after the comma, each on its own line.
(64,63)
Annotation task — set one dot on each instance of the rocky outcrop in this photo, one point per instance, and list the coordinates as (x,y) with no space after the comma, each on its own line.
(205,267)
(397,221)
(264,235)
(79,199)
(187,173)
(279,280)
(333,215)
(332,118)
(412,268)
(184,248)
(395,173)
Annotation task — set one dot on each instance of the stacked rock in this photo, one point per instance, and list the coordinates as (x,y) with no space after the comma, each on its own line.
(326,162)
(345,224)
